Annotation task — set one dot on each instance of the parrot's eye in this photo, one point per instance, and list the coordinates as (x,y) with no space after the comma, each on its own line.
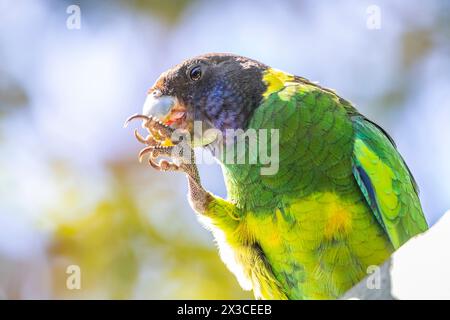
(195,73)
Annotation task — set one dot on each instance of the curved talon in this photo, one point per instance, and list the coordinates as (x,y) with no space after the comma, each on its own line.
(136,116)
(149,140)
(153,164)
(140,138)
(144,151)
(157,131)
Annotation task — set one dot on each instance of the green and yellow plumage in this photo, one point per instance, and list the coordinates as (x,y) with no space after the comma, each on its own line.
(342,200)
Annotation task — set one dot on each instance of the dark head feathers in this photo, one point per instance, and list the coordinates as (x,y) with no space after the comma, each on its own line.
(221,89)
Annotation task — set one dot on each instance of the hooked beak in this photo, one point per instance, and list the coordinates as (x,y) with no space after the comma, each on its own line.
(165,108)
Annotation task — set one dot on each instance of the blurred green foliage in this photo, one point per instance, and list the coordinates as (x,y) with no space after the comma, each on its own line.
(115,246)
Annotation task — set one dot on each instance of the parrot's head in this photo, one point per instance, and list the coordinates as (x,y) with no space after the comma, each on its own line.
(217,90)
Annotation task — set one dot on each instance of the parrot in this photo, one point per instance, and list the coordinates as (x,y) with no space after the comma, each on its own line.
(340,201)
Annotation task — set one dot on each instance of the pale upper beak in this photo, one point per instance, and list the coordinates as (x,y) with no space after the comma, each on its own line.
(158,105)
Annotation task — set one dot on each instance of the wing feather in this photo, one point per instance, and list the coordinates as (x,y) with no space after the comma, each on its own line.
(386,182)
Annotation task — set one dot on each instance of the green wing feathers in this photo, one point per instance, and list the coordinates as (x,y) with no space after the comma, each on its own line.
(386,182)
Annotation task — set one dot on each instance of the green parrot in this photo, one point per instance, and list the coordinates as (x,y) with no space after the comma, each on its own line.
(340,199)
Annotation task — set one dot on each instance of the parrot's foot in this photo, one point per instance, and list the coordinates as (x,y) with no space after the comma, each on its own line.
(198,196)
(160,144)
(159,133)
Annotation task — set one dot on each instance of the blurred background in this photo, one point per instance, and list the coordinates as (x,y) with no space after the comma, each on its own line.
(71,189)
